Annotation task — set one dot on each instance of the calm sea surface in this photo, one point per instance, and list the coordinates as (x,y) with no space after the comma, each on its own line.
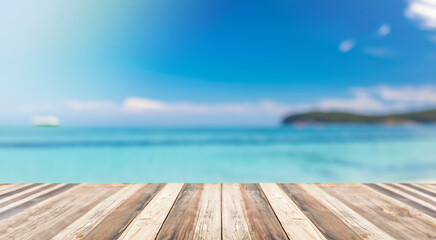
(282,154)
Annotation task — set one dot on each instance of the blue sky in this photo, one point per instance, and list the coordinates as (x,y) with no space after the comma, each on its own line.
(225,62)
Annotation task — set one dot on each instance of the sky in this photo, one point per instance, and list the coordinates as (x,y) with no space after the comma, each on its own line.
(201,62)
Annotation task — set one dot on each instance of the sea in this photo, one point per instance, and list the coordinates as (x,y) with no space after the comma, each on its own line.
(332,153)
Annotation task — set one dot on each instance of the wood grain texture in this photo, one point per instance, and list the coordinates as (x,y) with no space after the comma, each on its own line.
(82,226)
(48,221)
(234,224)
(30,201)
(196,214)
(294,222)
(422,188)
(327,222)
(395,219)
(416,193)
(180,223)
(18,190)
(360,225)
(258,215)
(217,211)
(24,194)
(208,224)
(148,222)
(4,188)
(408,199)
(113,225)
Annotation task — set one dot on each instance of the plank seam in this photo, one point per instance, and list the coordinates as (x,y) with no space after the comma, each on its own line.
(133,218)
(270,206)
(172,206)
(221,208)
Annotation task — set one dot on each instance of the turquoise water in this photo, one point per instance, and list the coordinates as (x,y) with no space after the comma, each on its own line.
(281,154)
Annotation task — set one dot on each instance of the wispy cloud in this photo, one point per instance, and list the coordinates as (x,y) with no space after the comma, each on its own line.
(361,102)
(379,52)
(346,45)
(384,30)
(375,99)
(423,12)
(144,105)
(408,94)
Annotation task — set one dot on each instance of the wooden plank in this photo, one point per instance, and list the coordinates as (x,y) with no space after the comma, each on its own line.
(394,219)
(195,214)
(417,210)
(422,188)
(414,192)
(8,187)
(7,198)
(430,185)
(148,222)
(112,226)
(234,224)
(18,190)
(47,221)
(360,225)
(327,222)
(256,212)
(24,194)
(427,206)
(82,226)
(29,198)
(294,222)
(209,215)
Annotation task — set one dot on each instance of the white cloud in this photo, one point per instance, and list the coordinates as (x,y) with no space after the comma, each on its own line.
(347,45)
(423,12)
(379,52)
(409,94)
(144,105)
(383,99)
(384,30)
(359,103)
(376,99)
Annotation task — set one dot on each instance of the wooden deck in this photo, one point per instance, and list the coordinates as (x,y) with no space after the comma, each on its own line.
(217,211)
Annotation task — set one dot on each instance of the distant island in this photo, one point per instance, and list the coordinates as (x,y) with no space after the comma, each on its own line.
(428,116)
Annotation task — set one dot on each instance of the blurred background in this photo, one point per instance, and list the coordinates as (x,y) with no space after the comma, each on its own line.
(217,91)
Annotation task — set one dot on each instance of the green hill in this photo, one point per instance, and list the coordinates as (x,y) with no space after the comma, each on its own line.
(343,117)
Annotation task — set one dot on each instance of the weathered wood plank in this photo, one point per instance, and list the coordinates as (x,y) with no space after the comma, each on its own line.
(394,219)
(326,221)
(8,187)
(18,190)
(47,221)
(360,225)
(180,222)
(24,194)
(416,193)
(31,200)
(234,224)
(422,188)
(195,214)
(112,226)
(294,222)
(417,210)
(257,213)
(429,207)
(82,226)
(209,215)
(148,222)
